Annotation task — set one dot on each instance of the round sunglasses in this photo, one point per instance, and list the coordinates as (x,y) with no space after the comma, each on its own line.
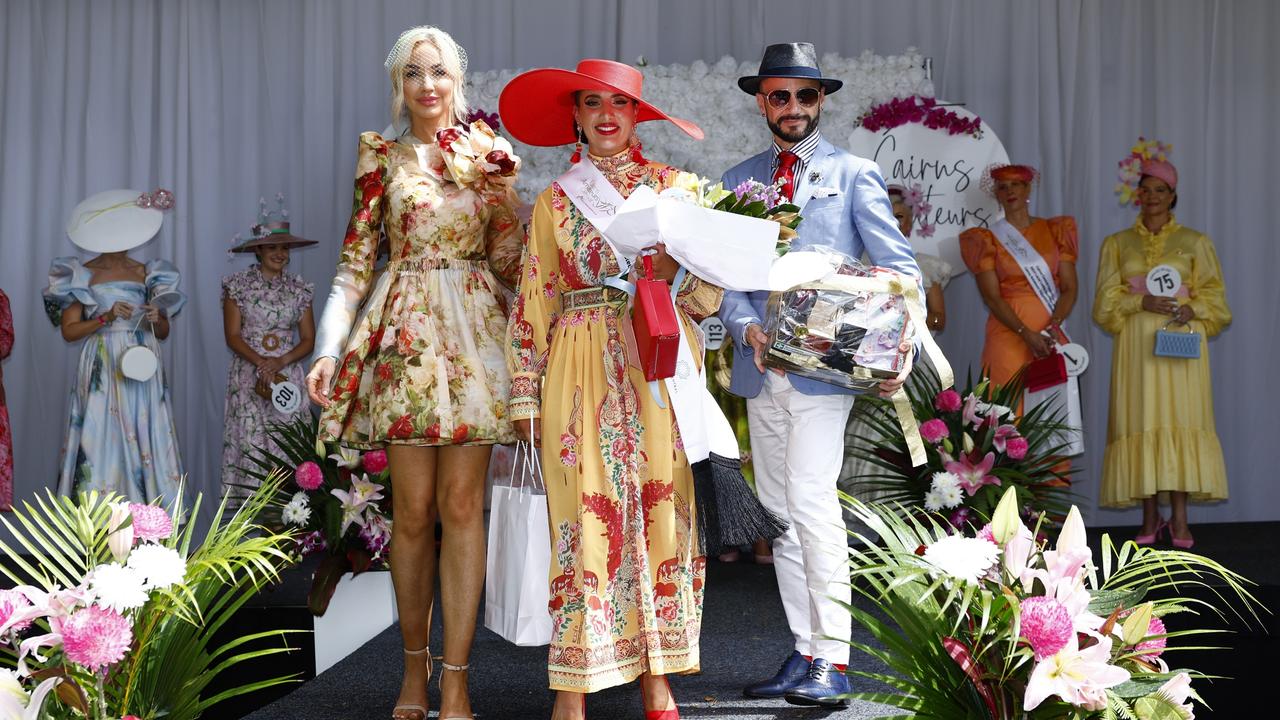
(807,97)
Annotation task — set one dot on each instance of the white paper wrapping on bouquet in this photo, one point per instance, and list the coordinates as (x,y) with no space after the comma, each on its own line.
(1064,401)
(731,251)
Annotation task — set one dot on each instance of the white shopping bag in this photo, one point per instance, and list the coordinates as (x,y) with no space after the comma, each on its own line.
(1063,401)
(518,585)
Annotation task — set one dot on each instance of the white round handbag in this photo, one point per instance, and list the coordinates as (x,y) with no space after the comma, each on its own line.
(138,363)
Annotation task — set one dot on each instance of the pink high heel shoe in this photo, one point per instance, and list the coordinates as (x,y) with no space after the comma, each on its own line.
(1181,543)
(1151,539)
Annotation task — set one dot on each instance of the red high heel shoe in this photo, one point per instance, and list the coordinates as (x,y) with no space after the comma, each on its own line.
(1151,539)
(672,714)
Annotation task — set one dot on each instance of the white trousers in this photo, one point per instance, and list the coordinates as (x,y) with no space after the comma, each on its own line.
(797,448)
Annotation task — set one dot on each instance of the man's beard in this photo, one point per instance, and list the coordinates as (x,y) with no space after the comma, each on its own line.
(810,127)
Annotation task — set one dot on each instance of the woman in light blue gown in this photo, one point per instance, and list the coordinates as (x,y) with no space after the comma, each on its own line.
(120,433)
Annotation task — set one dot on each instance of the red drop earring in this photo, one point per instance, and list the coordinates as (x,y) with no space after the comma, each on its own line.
(576,157)
(636,148)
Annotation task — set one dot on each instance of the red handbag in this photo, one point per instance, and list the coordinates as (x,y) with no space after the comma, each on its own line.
(1045,372)
(657,330)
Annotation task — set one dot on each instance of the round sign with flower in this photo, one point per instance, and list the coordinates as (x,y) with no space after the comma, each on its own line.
(941,163)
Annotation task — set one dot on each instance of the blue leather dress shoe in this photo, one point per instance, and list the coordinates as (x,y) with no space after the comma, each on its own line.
(792,672)
(820,686)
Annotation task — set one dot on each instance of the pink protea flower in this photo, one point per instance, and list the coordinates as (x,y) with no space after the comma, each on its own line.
(375,461)
(96,638)
(1152,647)
(1047,625)
(150,522)
(1016,447)
(934,430)
(948,401)
(11,602)
(309,476)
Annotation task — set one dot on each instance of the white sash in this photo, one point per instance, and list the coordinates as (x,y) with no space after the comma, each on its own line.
(1033,266)
(1029,261)
(596,198)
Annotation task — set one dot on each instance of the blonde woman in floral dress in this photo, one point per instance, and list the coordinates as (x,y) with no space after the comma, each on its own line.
(421,372)
(626,569)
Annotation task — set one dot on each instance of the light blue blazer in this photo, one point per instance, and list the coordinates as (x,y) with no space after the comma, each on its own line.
(845,206)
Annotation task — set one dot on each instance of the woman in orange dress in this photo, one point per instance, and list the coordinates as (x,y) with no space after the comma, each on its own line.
(1018,317)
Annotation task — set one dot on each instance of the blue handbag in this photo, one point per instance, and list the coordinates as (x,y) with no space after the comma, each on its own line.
(1184,345)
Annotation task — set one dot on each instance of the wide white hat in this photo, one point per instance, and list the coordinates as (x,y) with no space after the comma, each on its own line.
(117,220)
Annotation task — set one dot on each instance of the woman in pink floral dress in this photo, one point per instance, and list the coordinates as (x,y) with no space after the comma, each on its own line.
(416,361)
(267,321)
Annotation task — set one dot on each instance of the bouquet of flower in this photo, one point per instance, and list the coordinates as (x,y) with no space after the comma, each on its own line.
(751,198)
(999,625)
(113,614)
(977,447)
(338,504)
(478,157)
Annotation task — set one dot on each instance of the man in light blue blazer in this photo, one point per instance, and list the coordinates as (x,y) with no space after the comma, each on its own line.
(797,425)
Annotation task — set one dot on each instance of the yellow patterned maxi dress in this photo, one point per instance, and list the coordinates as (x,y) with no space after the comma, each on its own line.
(420,352)
(1161,433)
(626,570)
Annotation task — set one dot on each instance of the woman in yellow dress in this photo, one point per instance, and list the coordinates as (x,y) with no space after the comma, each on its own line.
(1018,315)
(1161,434)
(626,567)
(415,363)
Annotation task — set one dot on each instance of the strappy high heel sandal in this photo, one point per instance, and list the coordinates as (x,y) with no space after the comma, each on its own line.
(413,711)
(450,667)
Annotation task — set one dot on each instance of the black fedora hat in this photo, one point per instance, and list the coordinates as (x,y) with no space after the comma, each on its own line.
(789,60)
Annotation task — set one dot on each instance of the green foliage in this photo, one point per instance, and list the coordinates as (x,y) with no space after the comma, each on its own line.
(175,657)
(1041,482)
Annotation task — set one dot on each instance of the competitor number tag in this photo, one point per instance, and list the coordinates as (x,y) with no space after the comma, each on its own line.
(714,332)
(1164,281)
(285,397)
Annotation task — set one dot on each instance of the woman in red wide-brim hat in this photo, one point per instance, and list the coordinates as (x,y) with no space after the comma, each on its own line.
(626,569)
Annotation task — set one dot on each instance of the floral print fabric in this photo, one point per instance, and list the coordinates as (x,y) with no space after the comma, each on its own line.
(423,362)
(120,433)
(6,431)
(270,310)
(626,572)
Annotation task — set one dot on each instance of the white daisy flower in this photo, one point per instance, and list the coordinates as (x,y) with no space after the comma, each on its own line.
(963,558)
(118,587)
(161,566)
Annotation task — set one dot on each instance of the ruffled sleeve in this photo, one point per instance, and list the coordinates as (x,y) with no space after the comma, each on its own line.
(933,270)
(234,288)
(304,293)
(1112,300)
(359,247)
(1065,235)
(68,283)
(162,287)
(978,249)
(1209,292)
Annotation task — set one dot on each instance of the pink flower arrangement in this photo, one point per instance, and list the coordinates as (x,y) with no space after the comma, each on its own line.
(150,522)
(973,473)
(1153,647)
(1046,624)
(933,431)
(11,603)
(309,476)
(375,461)
(948,401)
(919,109)
(96,638)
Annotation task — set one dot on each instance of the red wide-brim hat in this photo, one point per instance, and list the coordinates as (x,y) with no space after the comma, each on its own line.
(537,106)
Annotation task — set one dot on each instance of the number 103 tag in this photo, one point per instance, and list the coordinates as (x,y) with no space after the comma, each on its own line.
(1164,281)
(285,397)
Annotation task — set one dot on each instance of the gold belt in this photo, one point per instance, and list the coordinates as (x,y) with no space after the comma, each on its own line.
(599,296)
